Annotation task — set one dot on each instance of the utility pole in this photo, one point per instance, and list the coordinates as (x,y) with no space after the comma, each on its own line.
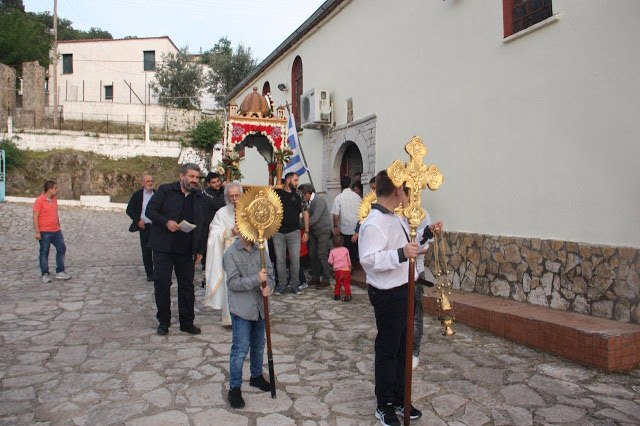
(55,63)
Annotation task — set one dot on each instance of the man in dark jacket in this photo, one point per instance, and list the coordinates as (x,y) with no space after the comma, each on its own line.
(214,194)
(136,210)
(319,235)
(173,207)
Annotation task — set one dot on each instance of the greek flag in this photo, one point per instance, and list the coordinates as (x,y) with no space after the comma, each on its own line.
(296,165)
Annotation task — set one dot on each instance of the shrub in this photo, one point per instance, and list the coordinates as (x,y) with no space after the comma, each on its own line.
(206,133)
(13,156)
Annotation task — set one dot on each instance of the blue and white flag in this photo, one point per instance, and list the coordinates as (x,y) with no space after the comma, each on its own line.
(296,165)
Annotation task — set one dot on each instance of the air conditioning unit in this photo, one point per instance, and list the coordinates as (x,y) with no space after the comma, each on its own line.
(315,109)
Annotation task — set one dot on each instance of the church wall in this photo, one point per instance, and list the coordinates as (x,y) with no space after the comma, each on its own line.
(537,138)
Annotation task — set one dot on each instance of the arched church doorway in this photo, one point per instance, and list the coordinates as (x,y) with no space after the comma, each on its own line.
(351,161)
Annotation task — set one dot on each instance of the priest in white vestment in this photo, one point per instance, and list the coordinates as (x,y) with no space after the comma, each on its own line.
(222,233)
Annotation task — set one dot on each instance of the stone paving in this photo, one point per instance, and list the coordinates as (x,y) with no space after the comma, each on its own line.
(85,352)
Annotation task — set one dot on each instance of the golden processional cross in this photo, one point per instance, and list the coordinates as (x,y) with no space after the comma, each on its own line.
(259,216)
(416,176)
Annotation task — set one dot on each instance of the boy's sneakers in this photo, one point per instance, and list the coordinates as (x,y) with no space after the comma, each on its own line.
(279,290)
(415,413)
(46,278)
(387,415)
(260,383)
(336,297)
(414,362)
(235,398)
(303,285)
(347,298)
(296,290)
(62,276)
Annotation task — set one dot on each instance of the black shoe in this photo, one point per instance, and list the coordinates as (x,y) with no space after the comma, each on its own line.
(191,329)
(149,277)
(347,298)
(204,283)
(163,328)
(235,398)
(260,383)
(387,415)
(415,413)
(336,297)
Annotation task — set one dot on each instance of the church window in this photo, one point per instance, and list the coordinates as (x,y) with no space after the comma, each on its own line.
(521,14)
(296,88)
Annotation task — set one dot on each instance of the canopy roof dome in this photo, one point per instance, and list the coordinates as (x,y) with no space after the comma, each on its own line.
(254,103)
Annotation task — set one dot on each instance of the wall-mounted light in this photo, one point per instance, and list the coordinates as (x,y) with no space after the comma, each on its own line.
(283,87)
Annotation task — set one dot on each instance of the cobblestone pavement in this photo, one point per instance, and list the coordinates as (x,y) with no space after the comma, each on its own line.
(85,352)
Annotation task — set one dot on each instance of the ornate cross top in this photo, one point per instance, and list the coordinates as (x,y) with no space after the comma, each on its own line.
(416,176)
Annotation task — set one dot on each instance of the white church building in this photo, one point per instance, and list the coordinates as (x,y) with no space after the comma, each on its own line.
(529,109)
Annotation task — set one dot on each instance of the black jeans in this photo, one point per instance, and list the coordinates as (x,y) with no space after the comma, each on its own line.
(147,253)
(390,310)
(163,264)
(352,247)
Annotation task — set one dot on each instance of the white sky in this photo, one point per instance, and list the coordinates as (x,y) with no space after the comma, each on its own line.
(259,24)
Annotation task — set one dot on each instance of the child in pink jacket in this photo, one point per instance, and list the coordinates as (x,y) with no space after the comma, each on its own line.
(341,262)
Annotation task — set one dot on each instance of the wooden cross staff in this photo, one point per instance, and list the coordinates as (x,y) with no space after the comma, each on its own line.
(415,176)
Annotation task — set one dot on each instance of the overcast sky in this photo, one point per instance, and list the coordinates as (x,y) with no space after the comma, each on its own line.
(259,24)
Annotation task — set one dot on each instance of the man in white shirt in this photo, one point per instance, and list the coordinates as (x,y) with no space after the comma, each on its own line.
(384,253)
(345,216)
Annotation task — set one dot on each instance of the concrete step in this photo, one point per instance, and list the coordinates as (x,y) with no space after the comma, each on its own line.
(592,341)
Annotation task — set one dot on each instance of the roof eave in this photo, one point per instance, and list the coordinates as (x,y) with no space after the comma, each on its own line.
(319,15)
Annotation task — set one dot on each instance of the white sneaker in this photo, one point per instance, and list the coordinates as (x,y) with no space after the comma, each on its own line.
(46,278)
(414,362)
(62,276)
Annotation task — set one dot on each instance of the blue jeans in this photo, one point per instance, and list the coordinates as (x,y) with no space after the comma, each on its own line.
(248,337)
(57,240)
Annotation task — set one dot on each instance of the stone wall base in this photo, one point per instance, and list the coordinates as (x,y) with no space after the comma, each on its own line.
(598,280)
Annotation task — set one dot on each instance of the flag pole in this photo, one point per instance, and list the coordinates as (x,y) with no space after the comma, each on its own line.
(302,151)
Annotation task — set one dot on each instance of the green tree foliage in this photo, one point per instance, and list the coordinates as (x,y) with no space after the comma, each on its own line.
(206,133)
(228,68)
(13,156)
(26,36)
(12,4)
(180,81)
(22,40)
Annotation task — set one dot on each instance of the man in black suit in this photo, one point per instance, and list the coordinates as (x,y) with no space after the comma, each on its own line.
(140,222)
(214,194)
(176,247)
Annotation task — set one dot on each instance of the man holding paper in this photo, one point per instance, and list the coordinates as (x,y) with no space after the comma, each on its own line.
(178,239)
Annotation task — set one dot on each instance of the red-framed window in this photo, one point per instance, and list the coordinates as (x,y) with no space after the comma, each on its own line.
(296,88)
(266,88)
(521,14)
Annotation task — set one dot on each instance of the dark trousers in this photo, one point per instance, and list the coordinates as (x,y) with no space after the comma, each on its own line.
(147,253)
(319,251)
(390,310)
(163,264)
(418,318)
(352,247)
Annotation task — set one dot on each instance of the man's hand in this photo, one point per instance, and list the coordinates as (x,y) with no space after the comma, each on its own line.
(305,237)
(336,231)
(141,224)
(354,239)
(262,276)
(38,236)
(266,291)
(436,227)
(411,250)
(172,226)
(198,258)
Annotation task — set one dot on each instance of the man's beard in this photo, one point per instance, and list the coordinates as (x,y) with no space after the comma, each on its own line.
(186,186)
(292,187)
